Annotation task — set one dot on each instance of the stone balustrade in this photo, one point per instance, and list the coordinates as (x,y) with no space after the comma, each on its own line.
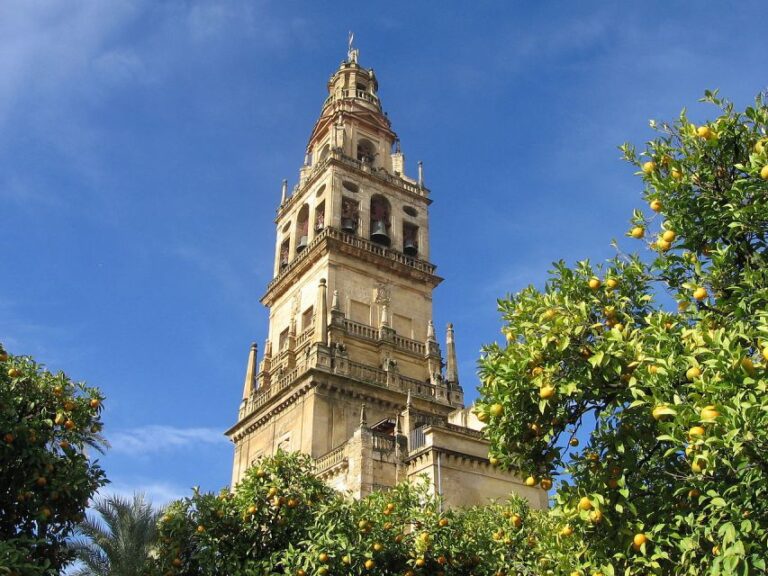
(329,460)
(355,370)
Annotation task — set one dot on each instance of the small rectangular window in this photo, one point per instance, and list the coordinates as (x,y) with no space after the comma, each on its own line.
(283,341)
(307,318)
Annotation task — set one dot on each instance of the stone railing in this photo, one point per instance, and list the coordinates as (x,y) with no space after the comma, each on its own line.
(354,370)
(368,246)
(370,333)
(377,173)
(357,242)
(383,442)
(463,430)
(378,377)
(360,330)
(263,396)
(367,374)
(380,174)
(417,387)
(329,460)
(410,345)
(304,337)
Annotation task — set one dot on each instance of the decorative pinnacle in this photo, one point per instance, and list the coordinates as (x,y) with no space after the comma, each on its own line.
(451,371)
(335,300)
(284,192)
(363,421)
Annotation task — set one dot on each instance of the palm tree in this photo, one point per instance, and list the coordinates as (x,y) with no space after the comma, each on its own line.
(119,542)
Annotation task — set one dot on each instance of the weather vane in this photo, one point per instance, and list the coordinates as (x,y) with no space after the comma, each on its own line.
(351,52)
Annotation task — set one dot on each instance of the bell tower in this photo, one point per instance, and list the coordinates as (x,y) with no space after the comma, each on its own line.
(351,372)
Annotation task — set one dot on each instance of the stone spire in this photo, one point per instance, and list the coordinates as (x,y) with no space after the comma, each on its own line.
(363,418)
(250,372)
(284,192)
(321,314)
(451,369)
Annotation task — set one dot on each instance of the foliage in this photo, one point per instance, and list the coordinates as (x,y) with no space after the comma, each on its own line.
(46,423)
(120,541)
(283,520)
(674,476)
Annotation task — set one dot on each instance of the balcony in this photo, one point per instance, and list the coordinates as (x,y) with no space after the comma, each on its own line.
(355,242)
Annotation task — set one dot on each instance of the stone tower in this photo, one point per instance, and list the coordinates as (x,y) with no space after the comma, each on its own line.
(352,373)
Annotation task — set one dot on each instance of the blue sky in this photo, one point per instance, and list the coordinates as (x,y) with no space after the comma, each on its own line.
(142,145)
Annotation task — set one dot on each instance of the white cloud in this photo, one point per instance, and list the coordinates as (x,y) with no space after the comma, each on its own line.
(157,492)
(151,439)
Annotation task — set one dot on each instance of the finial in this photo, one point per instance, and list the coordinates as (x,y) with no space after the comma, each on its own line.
(284,192)
(335,300)
(452,367)
(398,429)
(408,399)
(351,52)
(363,421)
(430,330)
(322,282)
(421,174)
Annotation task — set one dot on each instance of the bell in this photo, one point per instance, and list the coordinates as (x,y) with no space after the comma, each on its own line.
(379,232)
(349,224)
(410,248)
(302,244)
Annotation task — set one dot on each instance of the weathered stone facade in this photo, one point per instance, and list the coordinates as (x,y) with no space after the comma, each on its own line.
(352,373)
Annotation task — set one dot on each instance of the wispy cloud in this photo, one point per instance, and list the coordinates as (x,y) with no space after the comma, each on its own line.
(152,439)
(157,492)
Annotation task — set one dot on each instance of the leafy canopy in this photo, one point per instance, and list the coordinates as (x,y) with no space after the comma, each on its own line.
(47,422)
(660,361)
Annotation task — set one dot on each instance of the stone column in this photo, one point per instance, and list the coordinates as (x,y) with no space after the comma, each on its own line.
(321,313)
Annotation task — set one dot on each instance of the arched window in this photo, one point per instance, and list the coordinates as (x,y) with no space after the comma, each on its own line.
(410,239)
(320,216)
(302,229)
(380,220)
(284,247)
(350,210)
(366,151)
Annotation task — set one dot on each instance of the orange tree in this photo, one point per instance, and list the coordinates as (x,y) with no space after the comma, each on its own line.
(660,361)
(46,478)
(282,520)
